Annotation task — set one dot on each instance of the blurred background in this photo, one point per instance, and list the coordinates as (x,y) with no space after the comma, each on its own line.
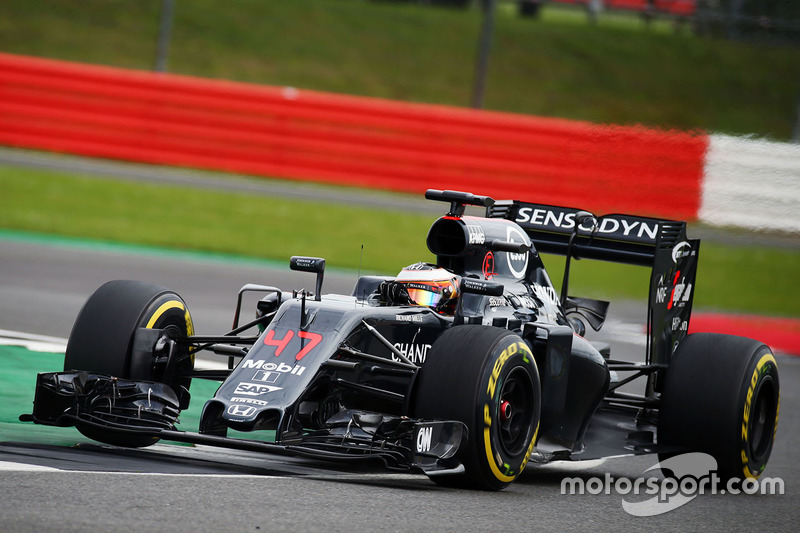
(727,66)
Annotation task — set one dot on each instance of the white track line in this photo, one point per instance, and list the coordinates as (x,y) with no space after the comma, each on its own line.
(8,466)
(36,343)
(44,343)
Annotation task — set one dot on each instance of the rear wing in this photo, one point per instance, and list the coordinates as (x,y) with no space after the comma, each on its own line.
(619,238)
(659,244)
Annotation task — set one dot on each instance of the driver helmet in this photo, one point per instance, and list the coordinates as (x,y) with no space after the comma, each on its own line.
(430,286)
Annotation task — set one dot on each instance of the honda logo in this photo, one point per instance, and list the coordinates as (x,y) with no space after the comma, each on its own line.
(243,411)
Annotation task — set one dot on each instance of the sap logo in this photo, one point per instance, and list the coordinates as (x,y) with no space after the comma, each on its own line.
(241,411)
(254,389)
(415,352)
(476,235)
(275,367)
(251,401)
(424,437)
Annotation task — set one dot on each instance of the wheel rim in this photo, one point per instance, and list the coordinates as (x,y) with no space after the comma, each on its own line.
(762,421)
(515,411)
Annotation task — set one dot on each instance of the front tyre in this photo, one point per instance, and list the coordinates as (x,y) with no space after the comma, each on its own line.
(102,341)
(486,378)
(722,397)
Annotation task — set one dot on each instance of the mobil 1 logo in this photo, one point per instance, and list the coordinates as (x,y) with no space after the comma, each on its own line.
(269,372)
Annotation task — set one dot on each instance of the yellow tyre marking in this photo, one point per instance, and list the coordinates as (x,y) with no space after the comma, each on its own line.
(492,462)
(166,306)
(487,437)
(530,449)
(189,324)
(766,358)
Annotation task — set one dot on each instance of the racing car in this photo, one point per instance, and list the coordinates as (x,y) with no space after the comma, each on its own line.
(465,370)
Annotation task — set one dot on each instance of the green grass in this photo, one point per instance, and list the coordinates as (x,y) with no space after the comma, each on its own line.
(618,71)
(17,385)
(187,219)
(746,279)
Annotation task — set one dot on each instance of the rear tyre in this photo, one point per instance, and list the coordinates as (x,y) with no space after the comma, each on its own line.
(486,378)
(101,341)
(722,397)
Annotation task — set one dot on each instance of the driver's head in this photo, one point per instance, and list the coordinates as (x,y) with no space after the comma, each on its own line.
(431,286)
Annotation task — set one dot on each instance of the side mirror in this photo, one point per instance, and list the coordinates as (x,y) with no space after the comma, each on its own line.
(307,264)
(310,264)
(475,286)
(479,286)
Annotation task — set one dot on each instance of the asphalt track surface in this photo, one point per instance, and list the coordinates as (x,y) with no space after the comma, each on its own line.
(84,486)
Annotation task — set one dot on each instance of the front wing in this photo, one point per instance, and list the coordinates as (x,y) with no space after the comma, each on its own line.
(97,404)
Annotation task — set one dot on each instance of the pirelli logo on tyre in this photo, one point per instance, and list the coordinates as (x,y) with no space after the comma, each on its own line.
(754,443)
(498,365)
(510,393)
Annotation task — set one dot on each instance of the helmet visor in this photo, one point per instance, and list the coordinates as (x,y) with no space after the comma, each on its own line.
(425,296)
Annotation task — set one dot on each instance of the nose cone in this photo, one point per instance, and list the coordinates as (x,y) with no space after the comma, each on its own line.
(240,416)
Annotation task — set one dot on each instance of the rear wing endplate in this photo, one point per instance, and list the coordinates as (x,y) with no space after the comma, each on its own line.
(659,244)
